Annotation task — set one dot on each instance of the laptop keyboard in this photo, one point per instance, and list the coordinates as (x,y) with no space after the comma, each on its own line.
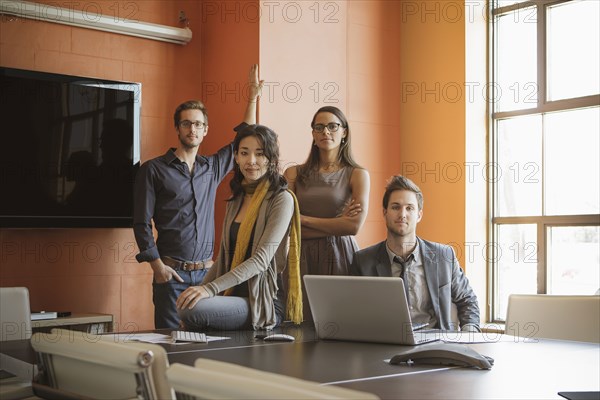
(186,336)
(427,335)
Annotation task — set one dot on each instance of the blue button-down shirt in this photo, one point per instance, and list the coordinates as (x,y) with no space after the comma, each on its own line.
(181,204)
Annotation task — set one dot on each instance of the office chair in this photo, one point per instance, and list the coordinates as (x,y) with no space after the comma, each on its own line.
(554,317)
(77,365)
(210,379)
(15,314)
(15,324)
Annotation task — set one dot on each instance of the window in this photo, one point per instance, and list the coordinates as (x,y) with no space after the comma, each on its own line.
(545,147)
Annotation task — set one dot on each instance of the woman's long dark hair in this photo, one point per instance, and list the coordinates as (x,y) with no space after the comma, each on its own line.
(345,159)
(268,141)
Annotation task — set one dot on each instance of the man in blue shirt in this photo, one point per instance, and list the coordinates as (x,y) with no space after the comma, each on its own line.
(177,192)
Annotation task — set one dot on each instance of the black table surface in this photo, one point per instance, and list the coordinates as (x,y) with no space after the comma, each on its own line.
(523,369)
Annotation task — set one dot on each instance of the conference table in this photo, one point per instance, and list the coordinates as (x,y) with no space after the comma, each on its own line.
(523,368)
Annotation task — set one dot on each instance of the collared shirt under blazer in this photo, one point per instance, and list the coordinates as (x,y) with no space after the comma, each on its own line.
(445,278)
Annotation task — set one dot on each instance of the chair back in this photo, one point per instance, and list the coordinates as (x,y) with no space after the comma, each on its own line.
(554,317)
(15,315)
(79,364)
(211,379)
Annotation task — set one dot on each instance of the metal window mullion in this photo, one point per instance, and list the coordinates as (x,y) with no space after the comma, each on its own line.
(552,106)
(554,220)
(526,4)
(492,282)
(541,55)
(542,271)
(493,285)
(543,161)
(514,7)
(542,72)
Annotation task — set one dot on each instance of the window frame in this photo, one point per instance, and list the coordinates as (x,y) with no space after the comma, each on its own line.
(543,106)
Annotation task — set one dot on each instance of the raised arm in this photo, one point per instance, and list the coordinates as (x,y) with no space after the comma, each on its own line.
(254,89)
(225,155)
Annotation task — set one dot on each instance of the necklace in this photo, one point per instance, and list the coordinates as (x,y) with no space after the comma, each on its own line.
(330,167)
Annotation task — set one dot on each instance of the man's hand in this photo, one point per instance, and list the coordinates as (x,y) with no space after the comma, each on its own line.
(190,296)
(163,273)
(254,84)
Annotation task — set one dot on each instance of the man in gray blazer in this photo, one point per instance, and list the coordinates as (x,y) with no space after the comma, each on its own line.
(432,275)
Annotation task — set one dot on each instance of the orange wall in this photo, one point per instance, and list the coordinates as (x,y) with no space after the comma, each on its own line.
(230,45)
(83,270)
(432,114)
(365,57)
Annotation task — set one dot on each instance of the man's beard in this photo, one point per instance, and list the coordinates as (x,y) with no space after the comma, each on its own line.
(398,232)
(188,146)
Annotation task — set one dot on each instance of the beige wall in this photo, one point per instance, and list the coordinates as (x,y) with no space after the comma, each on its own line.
(344,54)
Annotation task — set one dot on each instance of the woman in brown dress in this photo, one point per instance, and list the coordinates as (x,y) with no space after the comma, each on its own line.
(333,194)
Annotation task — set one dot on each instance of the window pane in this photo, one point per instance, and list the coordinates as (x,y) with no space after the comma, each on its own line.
(519,166)
(516,262)
(516,65)
(573,49)
(572,166)
(574,260)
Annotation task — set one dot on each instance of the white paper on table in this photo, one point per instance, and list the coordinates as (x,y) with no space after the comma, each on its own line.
(156,338)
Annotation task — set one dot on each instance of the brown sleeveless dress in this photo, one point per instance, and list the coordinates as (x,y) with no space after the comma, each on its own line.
(324,195)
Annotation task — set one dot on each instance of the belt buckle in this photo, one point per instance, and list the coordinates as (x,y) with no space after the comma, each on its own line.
(192,266)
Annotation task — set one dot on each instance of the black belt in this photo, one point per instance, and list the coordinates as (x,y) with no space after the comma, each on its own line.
(186,265)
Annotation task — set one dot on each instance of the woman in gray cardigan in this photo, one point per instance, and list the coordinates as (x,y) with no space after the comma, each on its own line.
(243,289)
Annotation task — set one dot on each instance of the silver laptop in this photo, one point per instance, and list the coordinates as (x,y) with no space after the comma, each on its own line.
(364,309)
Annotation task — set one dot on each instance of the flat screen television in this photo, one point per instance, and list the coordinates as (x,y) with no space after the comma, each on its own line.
(69,150)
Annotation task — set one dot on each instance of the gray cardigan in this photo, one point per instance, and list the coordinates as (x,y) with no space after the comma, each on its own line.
(269,257)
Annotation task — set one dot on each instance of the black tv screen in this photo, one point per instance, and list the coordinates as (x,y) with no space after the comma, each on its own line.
(69,150)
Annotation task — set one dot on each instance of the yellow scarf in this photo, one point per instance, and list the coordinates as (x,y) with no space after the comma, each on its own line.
(294,297)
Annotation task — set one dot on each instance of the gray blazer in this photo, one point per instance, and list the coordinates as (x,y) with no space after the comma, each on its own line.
(446,281)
